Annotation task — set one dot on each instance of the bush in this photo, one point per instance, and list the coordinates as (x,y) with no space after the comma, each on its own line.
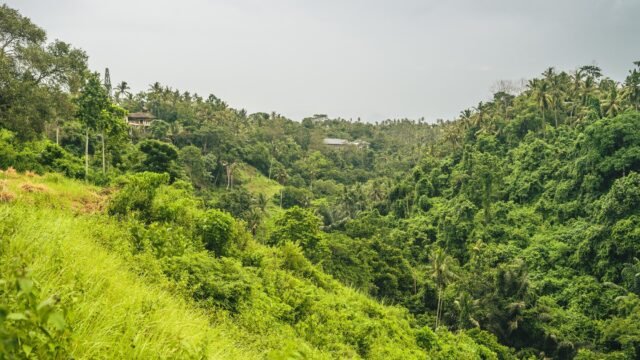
(217,230)
(292,196)
(29,327)
(218,282)
(136,195)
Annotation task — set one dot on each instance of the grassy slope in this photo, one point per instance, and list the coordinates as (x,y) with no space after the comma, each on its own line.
(111,311)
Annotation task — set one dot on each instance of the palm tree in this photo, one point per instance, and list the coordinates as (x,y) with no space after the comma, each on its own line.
(557,84)
(262,202)
(612,105)
(480,113)
(442,273)
(592,71)
(542,96)
(466,307)
(156,87)
(453,134)
(632,87)
(122,89)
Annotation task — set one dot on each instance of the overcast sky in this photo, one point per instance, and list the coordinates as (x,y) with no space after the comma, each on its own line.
(346,58)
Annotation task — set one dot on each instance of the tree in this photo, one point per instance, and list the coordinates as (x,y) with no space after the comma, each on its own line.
(160,157)
(217,229)
(542,97)
(35,75)
(297,225)
(92,103)
(631,90)
(194,164)
(466,308)
(122,88)
(612,104)
(97,112)
(442,273)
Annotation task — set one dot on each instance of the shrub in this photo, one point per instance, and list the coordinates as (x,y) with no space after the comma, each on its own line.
(219,282)
(29,327)
(136,194)
(217,230)
(292,196)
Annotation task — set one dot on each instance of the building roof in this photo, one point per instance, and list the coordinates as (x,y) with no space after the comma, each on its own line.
(141,116)
(334,141)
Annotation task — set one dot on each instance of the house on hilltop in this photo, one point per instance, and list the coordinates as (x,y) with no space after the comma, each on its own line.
(140,119)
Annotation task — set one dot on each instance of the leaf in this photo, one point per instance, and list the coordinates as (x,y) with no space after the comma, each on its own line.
(46,307)
(25,285)
(27,349)
(56,319)
(16,316)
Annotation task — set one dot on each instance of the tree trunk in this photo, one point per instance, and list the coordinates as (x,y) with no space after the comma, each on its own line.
(57,134)
(438,307)
(86,155)
(104,162)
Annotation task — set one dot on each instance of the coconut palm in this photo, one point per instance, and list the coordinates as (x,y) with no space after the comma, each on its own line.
(542,96)
(631,90)
(467,306)
(442,273)
(612,105)
(122,89)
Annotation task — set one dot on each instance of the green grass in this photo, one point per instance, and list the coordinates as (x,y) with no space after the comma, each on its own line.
(256,183)
(112,313)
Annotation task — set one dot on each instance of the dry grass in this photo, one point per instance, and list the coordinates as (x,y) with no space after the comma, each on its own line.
(10,172)
(30,174)
(31,188)
(6,196)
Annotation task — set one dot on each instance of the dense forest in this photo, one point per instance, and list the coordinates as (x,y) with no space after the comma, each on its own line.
(510,232)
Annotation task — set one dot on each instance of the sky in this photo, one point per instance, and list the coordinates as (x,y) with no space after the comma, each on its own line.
(368,59)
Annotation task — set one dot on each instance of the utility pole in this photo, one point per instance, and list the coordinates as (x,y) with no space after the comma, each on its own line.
(107,85)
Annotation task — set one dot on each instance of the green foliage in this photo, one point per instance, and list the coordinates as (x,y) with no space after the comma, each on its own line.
(218,282)
(136,194)
(236,202)
(297,225)
(160,157)
(292,196)
(30,326)
(217,230)
(35,75)
(511,230)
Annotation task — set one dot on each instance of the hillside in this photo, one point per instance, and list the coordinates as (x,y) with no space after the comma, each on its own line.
(204,231)
(113,299)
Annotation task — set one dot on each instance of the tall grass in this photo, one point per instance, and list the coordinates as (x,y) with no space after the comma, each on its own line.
(111,312)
